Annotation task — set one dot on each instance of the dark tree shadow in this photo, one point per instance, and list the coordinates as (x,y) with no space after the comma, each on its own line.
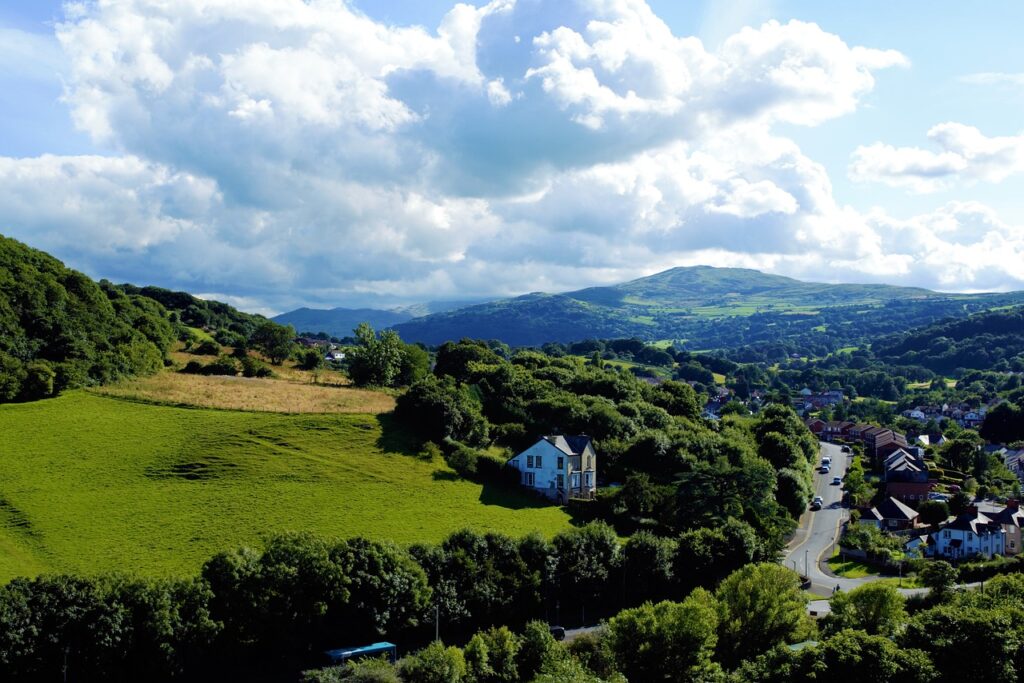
(394,438)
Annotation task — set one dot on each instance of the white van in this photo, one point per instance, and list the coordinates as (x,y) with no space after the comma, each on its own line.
(826,461)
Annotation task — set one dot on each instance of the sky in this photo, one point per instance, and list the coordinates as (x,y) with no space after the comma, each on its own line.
(286,153)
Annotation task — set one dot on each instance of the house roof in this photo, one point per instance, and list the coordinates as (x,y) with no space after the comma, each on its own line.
(570,445)
(890,508)
(974,522)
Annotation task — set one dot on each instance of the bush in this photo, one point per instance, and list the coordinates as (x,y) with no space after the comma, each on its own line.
(225,365)
(207,347)
(462,459)
(252,367)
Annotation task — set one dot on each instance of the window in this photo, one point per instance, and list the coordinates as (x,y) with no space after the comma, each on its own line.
(588,478)
(561,462)
(946,534)
(536,462)
(970,536)
(576,480)
(561,481)
(529,462)
(528,478)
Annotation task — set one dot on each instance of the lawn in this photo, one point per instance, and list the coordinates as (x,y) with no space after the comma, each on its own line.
(91,483)
(852,569)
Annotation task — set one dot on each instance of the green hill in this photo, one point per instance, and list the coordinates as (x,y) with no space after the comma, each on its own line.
(94,484)
(59,329)
(706,307)
(983,341)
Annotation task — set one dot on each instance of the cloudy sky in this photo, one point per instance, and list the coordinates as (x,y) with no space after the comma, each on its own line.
(278,153)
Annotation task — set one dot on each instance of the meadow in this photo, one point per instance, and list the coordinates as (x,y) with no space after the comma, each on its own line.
(92,483)
(247,393)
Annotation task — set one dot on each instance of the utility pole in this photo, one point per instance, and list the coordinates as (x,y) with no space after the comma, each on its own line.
(437,622)
(806,555)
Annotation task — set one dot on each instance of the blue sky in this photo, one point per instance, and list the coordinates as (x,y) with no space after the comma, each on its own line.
(333,155)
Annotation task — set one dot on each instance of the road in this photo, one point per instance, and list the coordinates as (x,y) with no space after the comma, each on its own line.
(819,530)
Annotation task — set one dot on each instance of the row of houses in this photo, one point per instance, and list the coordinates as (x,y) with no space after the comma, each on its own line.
(879,442)
(978,530)
(961,413)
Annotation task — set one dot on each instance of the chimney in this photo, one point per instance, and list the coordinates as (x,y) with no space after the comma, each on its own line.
(1013,504)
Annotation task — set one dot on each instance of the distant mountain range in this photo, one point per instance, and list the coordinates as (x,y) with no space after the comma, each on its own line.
(703,306)
(340,322)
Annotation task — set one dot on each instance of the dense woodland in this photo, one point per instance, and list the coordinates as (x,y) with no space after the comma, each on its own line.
(60,330)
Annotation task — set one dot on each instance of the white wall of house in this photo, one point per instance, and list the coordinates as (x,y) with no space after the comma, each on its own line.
(985,544)
(551,472)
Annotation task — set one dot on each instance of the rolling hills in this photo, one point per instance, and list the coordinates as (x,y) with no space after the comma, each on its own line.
(95,484)
(705,307)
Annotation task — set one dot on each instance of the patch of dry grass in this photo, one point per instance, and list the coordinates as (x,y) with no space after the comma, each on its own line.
(297,395)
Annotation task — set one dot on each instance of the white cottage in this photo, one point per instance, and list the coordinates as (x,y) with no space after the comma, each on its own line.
(972,533)
(559,467)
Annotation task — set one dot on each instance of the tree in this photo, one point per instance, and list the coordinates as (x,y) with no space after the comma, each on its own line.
(438,409)
(647,566)
(434,664)
(875,608)
(933,511)
(856,485)
(668,641)
(761,607)
(275,341)
(707,555)
(491,656)
(939,576)
(376,361)
(962,450)
(793,492)
(311,359)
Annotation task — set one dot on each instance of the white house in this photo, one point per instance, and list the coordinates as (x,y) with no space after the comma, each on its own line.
(559,467)
(972,533)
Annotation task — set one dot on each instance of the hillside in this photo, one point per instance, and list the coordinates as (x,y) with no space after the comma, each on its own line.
(980,342)
(707,308)
(339,322)
(198,313)
(93,484)
(59,329)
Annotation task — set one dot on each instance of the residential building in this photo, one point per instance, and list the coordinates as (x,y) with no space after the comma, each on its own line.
(971,533)
(890,515)
(559,467)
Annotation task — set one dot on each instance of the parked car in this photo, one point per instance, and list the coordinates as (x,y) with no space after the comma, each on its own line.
(837,481)
(938,496)
(826,461)
(557,632)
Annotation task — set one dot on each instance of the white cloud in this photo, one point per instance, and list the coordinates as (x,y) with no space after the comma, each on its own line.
(965,154)
(993,78)
(282,152)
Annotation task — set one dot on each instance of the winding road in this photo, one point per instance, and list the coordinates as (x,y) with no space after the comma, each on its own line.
(818,531)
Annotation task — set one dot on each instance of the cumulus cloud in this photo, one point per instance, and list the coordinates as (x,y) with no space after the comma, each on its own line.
(284,152)
(964,153)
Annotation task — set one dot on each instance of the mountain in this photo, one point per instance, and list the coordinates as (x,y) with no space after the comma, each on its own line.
(706,308)
(339,322)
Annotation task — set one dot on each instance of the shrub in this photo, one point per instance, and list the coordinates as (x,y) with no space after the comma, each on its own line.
(252,367)
(462,459)
(225,365)
(207,347)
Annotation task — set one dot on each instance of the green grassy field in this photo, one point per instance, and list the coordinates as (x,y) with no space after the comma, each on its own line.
(92,484)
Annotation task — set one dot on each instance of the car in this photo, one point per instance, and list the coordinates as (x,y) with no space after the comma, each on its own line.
(846,449)
(826,461)
(837,481)
(557,632)
(938,496)
(817,503)
(824,469)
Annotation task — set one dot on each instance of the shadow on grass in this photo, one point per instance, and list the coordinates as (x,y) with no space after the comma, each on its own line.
(394,438)
(445,475)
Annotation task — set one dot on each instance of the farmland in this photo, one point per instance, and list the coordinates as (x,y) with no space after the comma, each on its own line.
(95,484)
